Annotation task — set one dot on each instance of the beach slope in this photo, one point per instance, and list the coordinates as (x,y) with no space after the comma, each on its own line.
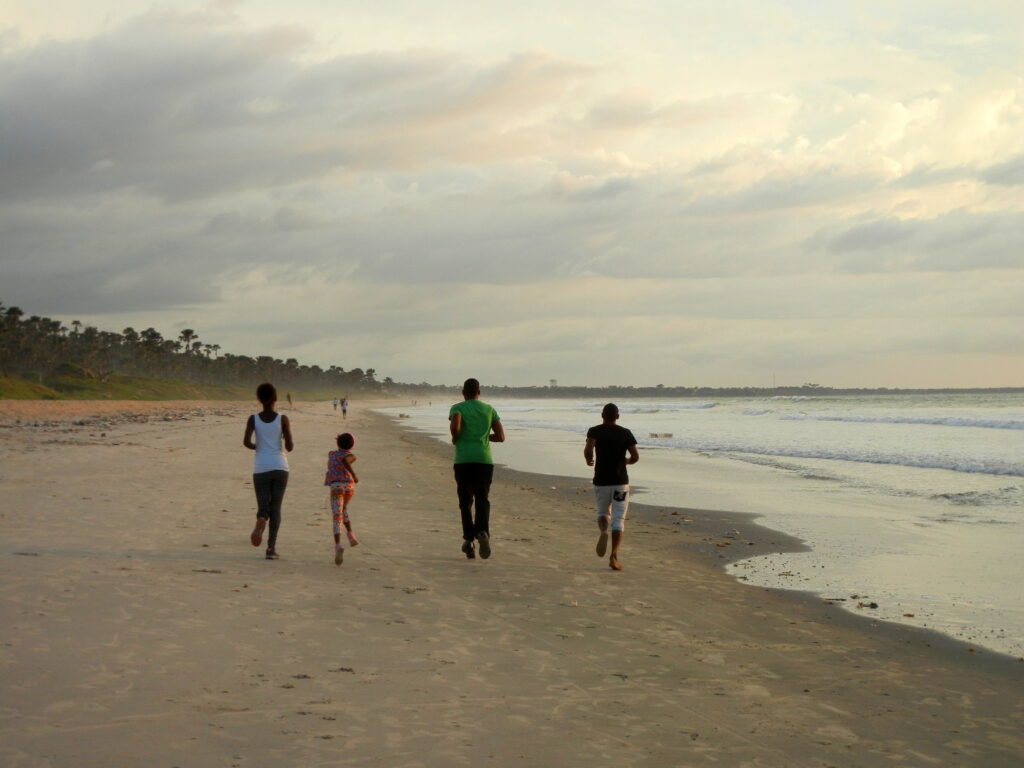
(142,628)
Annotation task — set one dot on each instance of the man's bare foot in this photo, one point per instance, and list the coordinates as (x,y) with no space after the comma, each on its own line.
(256,537)
(602,543)
(614,564)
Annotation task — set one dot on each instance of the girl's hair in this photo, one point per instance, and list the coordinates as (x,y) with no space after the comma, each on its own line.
(266,393)
(346,441)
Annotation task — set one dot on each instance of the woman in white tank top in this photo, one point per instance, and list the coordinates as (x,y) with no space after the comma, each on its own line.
(269,434)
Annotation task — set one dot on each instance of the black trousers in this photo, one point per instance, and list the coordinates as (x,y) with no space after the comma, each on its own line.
(473,481)
(269,487)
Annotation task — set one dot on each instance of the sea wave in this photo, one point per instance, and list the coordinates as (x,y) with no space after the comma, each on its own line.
(666,407)
(1007,422)
(920,461)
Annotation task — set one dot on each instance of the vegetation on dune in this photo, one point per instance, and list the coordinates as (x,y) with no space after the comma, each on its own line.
(42,358)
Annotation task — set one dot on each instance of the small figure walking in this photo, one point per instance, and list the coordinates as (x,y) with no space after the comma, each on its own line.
(334,402)
(342,479)
(289,397)
(611,482)
(270,466)
(344,408)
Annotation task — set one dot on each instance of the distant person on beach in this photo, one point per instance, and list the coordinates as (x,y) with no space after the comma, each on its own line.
(289,397)
(270,467)
(344,408)
(334,402)
(474,425)
(612,443)
(342,479)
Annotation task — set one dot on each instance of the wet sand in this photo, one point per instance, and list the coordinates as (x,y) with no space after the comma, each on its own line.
(142,628)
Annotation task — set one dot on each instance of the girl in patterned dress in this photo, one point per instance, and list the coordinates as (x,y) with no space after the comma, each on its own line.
(342,479)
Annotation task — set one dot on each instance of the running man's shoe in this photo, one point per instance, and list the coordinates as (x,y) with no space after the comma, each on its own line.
(272,554)
(467,547)
(485,544)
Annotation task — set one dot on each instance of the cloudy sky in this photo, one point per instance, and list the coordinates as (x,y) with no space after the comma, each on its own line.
(595,191)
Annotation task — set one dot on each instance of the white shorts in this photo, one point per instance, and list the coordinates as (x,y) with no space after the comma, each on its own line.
(613,502)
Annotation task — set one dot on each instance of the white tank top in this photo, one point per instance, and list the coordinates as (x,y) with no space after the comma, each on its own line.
(269,446)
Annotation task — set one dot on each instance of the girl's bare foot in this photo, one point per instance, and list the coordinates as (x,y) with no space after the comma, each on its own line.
(614,564)
(256,537)
(339,554)
(352,540)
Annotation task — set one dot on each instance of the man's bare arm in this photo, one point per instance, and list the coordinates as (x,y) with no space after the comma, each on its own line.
(588,451)
(497,432)
(634,455)
(455,425)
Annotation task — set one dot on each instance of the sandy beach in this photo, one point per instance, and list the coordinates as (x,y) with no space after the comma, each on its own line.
(142,628)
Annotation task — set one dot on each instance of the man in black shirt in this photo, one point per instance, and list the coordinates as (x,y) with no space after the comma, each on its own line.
(611,482)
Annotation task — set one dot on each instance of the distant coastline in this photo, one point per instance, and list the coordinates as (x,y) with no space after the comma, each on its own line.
(42,359)
(709,392)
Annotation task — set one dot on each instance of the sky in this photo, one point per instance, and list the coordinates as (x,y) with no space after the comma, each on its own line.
(728,193)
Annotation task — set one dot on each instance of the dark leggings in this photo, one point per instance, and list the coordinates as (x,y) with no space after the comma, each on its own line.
(269,487)
(474,484)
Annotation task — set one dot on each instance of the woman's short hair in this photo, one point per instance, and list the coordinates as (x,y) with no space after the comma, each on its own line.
(266,393)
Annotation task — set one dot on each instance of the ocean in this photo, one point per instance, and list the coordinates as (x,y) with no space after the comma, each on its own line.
(914,503)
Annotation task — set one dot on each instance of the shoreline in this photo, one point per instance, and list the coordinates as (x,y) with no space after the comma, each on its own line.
(880,542)
(152,626)
(741,536)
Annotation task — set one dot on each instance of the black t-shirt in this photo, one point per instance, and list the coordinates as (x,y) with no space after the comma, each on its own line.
(612,443)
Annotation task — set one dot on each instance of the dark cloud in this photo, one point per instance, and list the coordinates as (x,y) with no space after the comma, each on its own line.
(955,242)
(872,235)
(1008,174)
(780,192)
(182,107)
(932,175)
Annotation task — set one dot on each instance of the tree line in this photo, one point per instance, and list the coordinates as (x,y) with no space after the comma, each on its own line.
(40,348)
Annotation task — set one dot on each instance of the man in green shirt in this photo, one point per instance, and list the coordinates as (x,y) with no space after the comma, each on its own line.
(474,425)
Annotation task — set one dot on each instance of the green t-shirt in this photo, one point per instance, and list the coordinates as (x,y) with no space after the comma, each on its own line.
(474,444)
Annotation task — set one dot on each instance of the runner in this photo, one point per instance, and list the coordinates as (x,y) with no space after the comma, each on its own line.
(342,479)
(611,482)
(474,425)
(270,466)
